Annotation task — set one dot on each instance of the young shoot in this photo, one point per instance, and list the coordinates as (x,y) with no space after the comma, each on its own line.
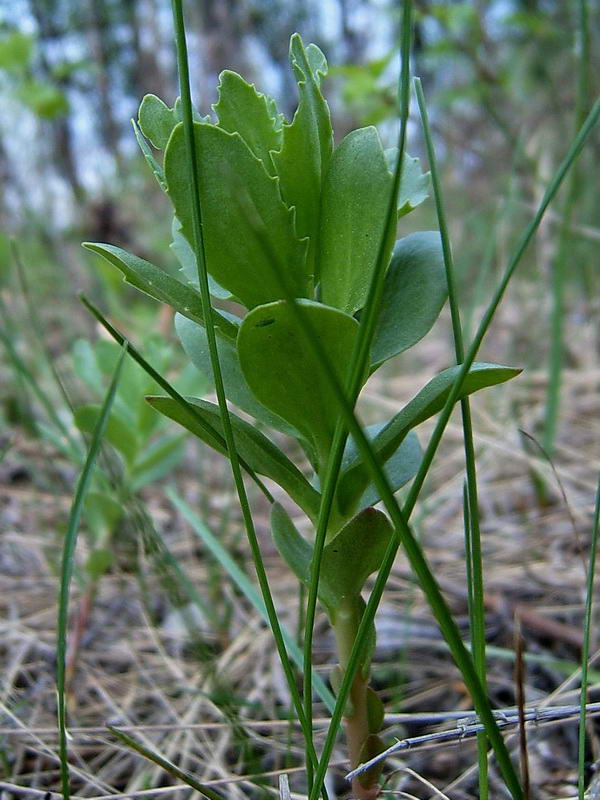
(291,222)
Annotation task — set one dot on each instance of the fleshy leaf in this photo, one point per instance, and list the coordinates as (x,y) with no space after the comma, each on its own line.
(149,156)
(429,401)
(194,342)
(400,469)
(253,447)
(118,433)
(414,184)
(353,554)
(307,145)
(187,261)
(292,547)
(156,120)
(246,225)
(415,290)
(375,711)
(241,108)
(356,194)
(372,747)
(283,372)
(160,285)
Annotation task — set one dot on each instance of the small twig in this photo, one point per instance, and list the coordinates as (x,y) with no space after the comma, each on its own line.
(284,788)
(469,726)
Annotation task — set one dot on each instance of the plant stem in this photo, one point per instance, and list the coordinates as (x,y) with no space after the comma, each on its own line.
(565,242)
(345,625)
(232,454)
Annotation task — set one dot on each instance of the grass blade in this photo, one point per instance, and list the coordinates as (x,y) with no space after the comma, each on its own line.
(565,240)
(67,566)
(585,650)
(168,766)
(472,531)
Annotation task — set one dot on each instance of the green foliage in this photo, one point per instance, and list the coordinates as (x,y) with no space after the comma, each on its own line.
(16,50)
(413,295)
(135,432)
(283,373)
(351,219)
(241,109)
(43,97)
(258,452)
(238,198)
(296,231)
(303,160)
(429,401)
(285,214)
(160,285)
(354,553)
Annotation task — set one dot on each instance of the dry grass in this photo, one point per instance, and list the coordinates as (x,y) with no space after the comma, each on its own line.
(218,706)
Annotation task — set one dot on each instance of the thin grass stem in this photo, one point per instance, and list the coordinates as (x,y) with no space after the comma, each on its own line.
(565,238)
(585,650)
(66,572)
(472,531)
(166,765)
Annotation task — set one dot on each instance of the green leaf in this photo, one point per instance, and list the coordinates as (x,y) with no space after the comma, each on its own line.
(149,156)
(282,371)
(400,468)
(375,711)
(356,194)
(353,554)
(253,447)
(414,292)
(156,120)
(161,286)
(157,460)
(118,433)
(187,260)
(307,145)
(43,99)
(372,747)
(245,222)
(194,341)
(16,50)
(292,547)
(414,184)
(99,562)
(429,401)
(102,512)
(242,109)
